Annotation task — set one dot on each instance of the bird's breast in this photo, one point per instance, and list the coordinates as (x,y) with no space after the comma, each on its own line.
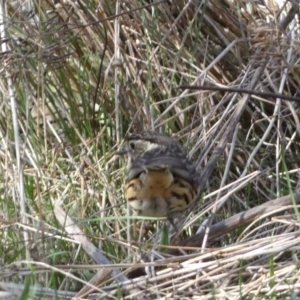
(159,194)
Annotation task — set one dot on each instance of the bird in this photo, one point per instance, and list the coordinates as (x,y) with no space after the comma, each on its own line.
(161,180)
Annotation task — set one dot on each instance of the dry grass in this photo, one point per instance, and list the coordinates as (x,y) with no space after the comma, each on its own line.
(76,77)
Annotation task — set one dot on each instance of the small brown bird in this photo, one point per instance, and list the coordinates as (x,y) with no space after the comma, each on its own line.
(161,181)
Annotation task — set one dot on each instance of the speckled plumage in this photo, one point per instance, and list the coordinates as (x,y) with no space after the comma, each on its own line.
(161,180)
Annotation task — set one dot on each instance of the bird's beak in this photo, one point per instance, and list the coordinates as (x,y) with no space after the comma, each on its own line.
(122,151)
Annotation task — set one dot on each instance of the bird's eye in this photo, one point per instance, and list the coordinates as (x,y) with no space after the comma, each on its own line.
(132,146)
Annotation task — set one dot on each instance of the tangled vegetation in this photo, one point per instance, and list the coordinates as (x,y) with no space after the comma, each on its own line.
(221,77)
